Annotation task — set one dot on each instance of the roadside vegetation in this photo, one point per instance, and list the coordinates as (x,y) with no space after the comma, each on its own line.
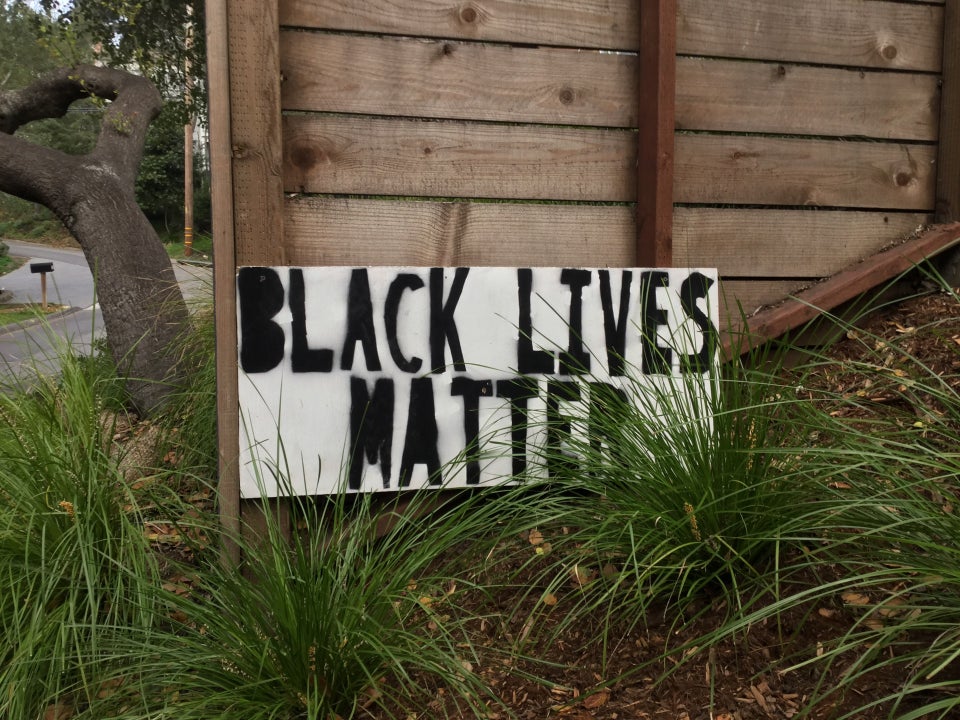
(7,263)
(787,539)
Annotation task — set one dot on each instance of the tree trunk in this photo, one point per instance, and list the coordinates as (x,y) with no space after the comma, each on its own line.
(93,195)
(142,306)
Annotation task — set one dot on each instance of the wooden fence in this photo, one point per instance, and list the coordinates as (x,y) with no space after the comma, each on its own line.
(789,139)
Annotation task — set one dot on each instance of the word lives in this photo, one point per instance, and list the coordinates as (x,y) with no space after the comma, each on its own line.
(372,379)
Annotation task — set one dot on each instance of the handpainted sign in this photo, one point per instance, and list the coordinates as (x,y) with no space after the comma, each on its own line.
(380,378)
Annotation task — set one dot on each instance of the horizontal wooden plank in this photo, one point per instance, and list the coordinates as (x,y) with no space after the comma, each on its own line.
(340,231)
(776,171)
(848,284)
(575,23)
(738,242)
(357,231)
(784,243)
(857,33)
(743,298)
(375,156)
(476,81)
(731,96)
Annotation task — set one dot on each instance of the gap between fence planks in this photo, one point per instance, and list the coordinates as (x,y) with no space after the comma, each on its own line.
(846,285)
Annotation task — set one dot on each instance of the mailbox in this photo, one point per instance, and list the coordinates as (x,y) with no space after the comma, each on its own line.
(41,269)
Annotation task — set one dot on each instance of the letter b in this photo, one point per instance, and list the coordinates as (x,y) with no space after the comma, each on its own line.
(260,298)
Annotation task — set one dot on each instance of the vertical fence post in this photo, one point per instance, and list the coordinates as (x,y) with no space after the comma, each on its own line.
(246,159)
(657,82)
(948,152)
(221,207)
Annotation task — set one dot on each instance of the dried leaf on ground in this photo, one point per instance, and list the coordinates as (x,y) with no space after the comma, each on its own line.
(597,699)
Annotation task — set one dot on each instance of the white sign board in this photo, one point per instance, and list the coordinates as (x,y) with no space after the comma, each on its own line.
(380,378)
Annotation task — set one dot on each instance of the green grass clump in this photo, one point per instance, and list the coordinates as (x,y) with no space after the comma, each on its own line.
(73,561)
(879,526)
(190,418)
(323,623)
(677,487)
(892,524)
(343,613)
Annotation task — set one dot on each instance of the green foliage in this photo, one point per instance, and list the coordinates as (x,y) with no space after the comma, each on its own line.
(320,625)
(25,220)
(23,58)
(101,370)
(151,36)
(6,262)
(192,411)
(73,561)
(75,134)
(341,615)
(159,185)
(891,524)
(878,522)
(202,248)
(673,489)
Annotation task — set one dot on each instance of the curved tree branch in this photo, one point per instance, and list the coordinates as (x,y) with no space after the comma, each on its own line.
(34,172)
(48,97)
(134,103)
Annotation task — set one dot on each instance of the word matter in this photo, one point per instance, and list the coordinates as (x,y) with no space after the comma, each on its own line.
(379,378)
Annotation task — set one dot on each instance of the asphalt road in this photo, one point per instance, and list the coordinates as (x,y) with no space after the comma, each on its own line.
(35,345)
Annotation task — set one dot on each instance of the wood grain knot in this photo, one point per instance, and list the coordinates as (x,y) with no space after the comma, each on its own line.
(304,157)
(903,178)
(889,52)
(468,14)
(567,96)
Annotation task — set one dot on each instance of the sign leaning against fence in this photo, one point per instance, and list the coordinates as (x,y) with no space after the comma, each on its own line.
(387,378)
